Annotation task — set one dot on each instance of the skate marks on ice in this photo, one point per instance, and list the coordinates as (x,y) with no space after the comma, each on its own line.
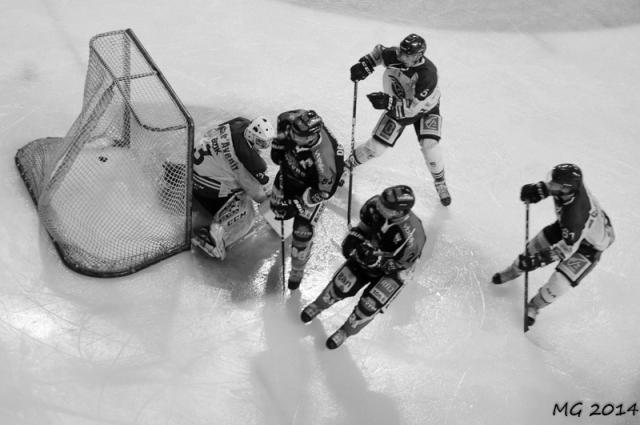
(297,380)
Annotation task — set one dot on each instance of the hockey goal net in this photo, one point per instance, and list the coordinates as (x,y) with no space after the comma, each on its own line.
(113,193)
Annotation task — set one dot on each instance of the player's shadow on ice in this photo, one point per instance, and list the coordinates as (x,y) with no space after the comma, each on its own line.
(283,372)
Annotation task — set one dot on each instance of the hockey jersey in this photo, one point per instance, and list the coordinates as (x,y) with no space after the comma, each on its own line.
(224,163)
(400,242)
(415,88)
(580,219)
(317,167)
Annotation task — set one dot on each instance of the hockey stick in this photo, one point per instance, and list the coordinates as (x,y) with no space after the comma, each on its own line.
(353,146)
(282,254)
(282,239)
(526,273)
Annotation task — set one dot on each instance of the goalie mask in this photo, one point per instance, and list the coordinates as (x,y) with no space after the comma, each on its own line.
(396,201)
(305,129)
(259,133)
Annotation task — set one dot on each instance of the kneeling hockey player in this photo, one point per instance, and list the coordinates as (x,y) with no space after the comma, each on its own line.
(228,173)
(576,239)
(311,163)
(411,97)
(387,241)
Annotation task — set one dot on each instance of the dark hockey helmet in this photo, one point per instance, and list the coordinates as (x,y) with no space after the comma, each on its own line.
(413,44)
(305,129)
(565,178)
(396,201)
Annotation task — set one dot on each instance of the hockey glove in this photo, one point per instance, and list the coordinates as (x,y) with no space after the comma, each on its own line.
(362,69)
(282,209)
(367,255)
(534,192)
(381,100)
(531,262)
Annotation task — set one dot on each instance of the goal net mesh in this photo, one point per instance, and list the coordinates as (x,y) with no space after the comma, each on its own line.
(113,193)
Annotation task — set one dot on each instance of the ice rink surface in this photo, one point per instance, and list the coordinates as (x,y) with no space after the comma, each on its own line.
(193,341)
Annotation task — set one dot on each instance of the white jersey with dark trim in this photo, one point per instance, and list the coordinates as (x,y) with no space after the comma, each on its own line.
(217,170)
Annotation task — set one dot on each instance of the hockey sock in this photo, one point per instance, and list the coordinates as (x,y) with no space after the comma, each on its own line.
(432,154)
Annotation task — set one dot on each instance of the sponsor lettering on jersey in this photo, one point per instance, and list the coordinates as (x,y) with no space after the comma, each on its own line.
(409,231)
(396,86)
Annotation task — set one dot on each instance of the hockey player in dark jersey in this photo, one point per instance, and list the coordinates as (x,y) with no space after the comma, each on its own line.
(228,174)
(411,97)
(380,251)
(311,163)
(575,240)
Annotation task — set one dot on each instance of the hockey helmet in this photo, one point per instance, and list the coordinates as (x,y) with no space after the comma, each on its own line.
(413,44)
(259,133)
(565,179)
(306,127)
(396,201)
(411,50)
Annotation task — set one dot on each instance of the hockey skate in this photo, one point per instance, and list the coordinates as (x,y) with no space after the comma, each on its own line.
(211,242)
(310,312)
(532,313)
(337,339)
(295,277)
(443,192)
(506,275)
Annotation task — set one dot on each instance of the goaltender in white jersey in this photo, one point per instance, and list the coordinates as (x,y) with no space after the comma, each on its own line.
(228,174)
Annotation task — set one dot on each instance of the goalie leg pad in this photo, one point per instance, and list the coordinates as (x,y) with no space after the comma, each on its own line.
(236,217)
(203,240)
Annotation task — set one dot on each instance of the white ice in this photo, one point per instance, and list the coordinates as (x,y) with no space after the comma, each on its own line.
(192,341)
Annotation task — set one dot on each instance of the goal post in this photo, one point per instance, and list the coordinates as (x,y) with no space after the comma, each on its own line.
(114,193)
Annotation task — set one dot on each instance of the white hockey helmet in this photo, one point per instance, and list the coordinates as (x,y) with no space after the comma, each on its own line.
(259,133)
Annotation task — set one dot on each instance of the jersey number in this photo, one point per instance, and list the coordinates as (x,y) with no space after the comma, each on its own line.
(199,154)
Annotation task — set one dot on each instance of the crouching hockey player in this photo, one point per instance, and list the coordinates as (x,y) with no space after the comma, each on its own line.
(576,239)
(388,240)
(311,163)
(411,97)
(228,174)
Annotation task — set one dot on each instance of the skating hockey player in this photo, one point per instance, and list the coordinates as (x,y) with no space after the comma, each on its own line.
(228,174)
(575,240)
(311,163)
(411,97)
(379,251)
